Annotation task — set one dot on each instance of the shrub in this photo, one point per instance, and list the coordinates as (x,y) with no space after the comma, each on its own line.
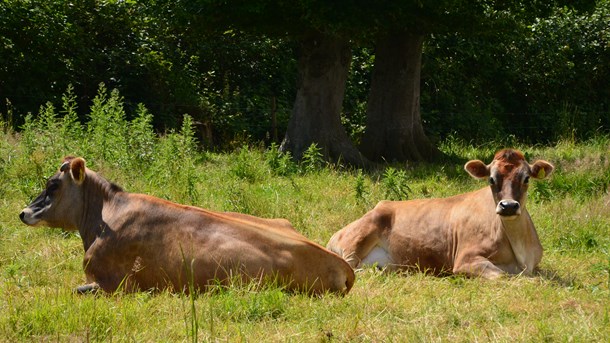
(280,163)
(312,159)
(395,185)
(107,128)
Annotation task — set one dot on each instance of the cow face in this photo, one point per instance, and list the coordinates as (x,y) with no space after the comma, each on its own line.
(61,201)
(509,175)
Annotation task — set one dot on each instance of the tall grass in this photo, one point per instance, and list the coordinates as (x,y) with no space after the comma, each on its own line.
(39,267)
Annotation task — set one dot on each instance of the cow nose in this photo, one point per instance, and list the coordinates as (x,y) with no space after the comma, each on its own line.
(22,215)
(508,208)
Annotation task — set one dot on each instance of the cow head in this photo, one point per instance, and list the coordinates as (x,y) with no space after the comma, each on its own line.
(61,201)
(509,175)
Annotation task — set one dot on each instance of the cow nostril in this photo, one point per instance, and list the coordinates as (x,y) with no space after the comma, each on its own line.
(22,215)
(508,208)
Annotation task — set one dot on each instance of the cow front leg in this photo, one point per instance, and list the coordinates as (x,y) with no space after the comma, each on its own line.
(90,288)
(101,277)
(479,267)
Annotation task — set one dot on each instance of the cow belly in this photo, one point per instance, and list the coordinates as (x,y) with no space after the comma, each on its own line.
(378,256)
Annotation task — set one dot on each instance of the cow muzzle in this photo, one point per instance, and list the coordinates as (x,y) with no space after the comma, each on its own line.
(28,218)
(508,208)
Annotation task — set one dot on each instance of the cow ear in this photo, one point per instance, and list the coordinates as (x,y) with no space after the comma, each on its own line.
(477,169)
(541,169)
(77,169)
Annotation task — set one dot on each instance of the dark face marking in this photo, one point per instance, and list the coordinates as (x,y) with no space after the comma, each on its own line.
(509,176)
(37,211)
(58,204)
(509,179)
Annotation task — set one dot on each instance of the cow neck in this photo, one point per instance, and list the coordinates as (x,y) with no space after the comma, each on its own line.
(521,239)
(96,192)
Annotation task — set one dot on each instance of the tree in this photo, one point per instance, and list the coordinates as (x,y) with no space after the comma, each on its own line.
(394,129)
(323,64)
(323,68)
(227,62)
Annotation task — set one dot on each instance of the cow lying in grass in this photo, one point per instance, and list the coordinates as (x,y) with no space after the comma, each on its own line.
(139,242)
(483,233)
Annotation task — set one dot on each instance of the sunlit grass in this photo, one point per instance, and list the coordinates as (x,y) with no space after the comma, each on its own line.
(568,301)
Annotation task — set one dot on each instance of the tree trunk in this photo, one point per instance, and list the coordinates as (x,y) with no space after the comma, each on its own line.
(316,116)
(394,130)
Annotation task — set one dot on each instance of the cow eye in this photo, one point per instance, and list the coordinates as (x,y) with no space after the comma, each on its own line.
(526,180)
(52,188)
(492,181)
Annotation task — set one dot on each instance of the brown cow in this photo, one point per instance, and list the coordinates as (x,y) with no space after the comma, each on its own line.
(139,242)
(483,233)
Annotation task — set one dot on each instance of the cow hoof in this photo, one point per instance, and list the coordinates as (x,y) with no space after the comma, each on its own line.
(91,288)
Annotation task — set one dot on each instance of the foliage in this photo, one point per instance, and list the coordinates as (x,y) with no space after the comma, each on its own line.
(536,70)
(141,139)
(312,159)
(226,82)
(175,157)
(394,182)
(281,163)
(244,165)
(107,127)
(537,78)
(568,55)
(353,116)
(47,45)
(359,187)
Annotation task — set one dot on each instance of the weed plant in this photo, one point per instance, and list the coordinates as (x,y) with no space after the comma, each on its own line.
(568,301)
(395,184)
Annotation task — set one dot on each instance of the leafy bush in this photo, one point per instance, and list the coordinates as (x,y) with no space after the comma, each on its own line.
(141,139)
(244,166)
(107,128)
(175,159)
(281,163)
(359,187)
(395,185)
(312,159)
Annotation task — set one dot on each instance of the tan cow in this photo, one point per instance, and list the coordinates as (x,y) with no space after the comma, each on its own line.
(483,233)
(140,242)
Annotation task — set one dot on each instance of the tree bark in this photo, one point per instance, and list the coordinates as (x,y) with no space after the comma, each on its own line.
(316,116)
(394,130)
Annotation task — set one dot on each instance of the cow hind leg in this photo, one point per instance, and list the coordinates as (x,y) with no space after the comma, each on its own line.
(355,242)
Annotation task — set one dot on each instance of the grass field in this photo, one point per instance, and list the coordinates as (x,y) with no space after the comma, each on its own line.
(568,301)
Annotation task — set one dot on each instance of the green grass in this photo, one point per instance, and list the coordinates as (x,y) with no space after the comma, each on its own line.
(39,267)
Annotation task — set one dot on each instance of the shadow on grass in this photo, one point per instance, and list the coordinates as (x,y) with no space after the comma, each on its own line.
(458,279)
(559,280)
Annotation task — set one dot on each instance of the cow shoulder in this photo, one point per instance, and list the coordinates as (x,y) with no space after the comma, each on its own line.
(383,214)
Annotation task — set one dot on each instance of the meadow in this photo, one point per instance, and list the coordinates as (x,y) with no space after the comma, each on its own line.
(568,300)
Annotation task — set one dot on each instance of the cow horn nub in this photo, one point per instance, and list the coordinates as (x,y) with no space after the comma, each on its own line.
(64,166)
